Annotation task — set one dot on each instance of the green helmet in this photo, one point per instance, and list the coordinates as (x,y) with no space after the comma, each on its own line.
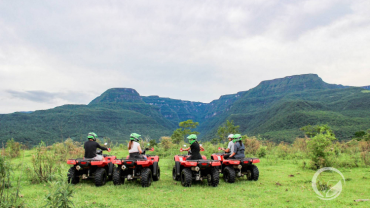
(92,136)
(135,136)
(237,137)
(192,138)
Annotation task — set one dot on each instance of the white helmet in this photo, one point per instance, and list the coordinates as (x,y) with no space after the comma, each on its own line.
(230,136)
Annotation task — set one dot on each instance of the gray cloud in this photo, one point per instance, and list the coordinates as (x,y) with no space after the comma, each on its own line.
(49,97)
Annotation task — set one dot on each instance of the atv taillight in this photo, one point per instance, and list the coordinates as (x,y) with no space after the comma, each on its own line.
(246,162)
(204,163)
(83,163)
(128,162)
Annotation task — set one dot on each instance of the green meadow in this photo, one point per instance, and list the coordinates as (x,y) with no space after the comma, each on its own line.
(283,182)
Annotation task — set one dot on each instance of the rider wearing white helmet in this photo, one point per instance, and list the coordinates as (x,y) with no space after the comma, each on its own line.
(230,146)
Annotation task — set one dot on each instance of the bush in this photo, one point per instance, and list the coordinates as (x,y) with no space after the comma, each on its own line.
(68,149)
(9,196)
(318,147)
(13,148)
(44,164)
(251,145)
(60,193)
(166,143)
(262,151)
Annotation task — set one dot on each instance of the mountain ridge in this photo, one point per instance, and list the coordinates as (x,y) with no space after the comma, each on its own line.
(260,110)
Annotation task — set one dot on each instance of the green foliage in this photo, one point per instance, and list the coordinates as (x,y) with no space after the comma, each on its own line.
(9,196)
(359,134)
(312,131)
(318,147)
(44,165)
(13,148)
(60,193)
(225,129)
(152,143)
(186,129)
(262,151)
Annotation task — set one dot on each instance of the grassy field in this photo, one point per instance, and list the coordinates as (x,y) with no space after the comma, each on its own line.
(282,183)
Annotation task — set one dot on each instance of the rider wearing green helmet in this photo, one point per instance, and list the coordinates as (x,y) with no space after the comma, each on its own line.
(194,148)
(239,148)
(91,145)
(134,146)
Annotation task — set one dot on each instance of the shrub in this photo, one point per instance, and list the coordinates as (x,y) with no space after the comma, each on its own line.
(9,196)
(251,145)
(44,164)
(166,143)
(300,144)
(13,148)
(60,193)
(262,151)
(318,147)
(283,150)
(67,149)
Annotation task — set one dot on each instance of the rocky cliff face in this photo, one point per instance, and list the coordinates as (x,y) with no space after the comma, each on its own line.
(118,95)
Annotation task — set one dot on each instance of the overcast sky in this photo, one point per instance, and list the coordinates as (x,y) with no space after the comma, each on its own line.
(69,52)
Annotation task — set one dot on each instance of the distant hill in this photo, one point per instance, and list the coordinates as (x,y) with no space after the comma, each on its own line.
(275,109)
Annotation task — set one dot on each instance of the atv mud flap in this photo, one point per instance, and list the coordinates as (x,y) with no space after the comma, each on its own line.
(177,165)
(110,170)
(155,168)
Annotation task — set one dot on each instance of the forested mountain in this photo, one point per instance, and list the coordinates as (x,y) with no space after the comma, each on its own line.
(274,109)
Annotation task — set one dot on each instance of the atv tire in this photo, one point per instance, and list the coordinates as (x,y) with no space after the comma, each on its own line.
(146,177)
(215,177)
(229,174)
(118,177)
(72,176)
(158,175)
(174,176)
(100,177)
(253,173)
(186,177)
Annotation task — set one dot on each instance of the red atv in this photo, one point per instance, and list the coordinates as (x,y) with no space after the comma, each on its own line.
(144,169)
(232,168)
(188,170)
(99,170)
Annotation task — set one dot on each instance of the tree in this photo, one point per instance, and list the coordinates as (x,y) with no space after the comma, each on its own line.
(225,129)
(311,131)
(185,129)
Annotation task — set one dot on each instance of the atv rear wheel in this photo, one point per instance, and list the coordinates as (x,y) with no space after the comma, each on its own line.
(158,175)
(72,176)
(118,177)
(253,173)
(229,174)
(174,176)
(215,177)
(186,177)
(100,177)
(146,177)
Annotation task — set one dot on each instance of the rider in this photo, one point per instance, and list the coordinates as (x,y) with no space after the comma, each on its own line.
(194,147)
(90,147)
(134,147)
(230,146)
(238,150)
